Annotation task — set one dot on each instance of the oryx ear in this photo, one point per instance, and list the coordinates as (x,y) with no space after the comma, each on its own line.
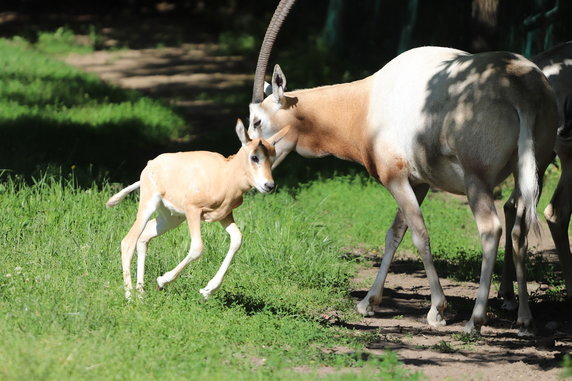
(278,83)
(241,132)
(279,135)
(267,89)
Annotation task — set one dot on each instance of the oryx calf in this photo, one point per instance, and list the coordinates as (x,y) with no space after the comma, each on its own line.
(195,186)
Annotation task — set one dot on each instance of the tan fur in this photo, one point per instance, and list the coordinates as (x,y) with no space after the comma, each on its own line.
(196,186)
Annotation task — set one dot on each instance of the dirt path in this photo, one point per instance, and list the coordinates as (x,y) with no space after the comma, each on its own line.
(192,76)
(181,75)
(445,353)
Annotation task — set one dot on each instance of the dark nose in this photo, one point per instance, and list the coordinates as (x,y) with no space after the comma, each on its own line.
(269,187)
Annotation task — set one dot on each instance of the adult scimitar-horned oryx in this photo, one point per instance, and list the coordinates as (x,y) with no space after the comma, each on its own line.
(556,64)
(196,186)
(431,117)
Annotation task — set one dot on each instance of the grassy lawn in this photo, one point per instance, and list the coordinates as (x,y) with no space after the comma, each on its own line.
(63,135)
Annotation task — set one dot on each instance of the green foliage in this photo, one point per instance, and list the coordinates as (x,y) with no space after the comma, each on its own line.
(237,43)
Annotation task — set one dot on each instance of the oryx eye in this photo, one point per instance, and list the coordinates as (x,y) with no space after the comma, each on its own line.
(254,158)
(257,123)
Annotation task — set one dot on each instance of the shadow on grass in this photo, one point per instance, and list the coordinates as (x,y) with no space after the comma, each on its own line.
(32,147)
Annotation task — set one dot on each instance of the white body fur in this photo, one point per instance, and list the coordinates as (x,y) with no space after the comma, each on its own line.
(431,117)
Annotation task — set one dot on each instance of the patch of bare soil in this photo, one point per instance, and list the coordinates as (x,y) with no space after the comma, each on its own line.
(192,76)
(445,353)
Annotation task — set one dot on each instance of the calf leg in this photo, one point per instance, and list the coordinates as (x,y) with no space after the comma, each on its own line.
(194,221)
(147,205)
(393,238)
(163,223)
(482,205)
(235,242)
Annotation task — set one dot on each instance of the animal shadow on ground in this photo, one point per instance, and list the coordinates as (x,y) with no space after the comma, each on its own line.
(399,323)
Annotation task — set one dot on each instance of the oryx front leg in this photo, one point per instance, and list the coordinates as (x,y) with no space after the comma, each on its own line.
(393,238)
(235,242)
(194,221)
(490,229)
(147,205)
(163,223)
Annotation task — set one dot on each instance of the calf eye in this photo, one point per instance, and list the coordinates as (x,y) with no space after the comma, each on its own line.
(254,159)
(257,123)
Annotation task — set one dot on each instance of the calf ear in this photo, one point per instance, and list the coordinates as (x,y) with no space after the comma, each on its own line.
(241,132)
(279,135)
(278,84)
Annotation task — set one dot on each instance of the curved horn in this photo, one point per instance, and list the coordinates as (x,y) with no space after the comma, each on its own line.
(273,28)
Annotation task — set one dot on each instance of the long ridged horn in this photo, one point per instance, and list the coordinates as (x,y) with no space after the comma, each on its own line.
(273,28)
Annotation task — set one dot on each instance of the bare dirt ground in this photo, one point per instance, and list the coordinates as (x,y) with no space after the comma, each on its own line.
(441,353)
(179,74)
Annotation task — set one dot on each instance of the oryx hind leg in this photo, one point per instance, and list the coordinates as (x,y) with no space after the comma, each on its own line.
(406,199)
(481,201)
(393,238)
(557,214)
(506,291)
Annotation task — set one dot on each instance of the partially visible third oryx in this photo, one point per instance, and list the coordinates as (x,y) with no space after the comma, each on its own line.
(431,117)
(556,64)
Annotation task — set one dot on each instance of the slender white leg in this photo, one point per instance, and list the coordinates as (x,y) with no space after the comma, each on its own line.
(163,223)
(490,229)
(147,206)
(393,238)
(235,242)
(410,216)
(506,291)
(557,214)
(194,221)
(520,245)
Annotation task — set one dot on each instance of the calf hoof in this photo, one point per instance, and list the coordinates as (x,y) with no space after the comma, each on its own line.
(205,292)
(161,282)
(128,296)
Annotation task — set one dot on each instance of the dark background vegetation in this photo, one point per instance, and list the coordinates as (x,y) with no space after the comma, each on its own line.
(321,42)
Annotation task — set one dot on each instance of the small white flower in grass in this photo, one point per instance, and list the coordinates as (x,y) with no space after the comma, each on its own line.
(8,275)
(18,270)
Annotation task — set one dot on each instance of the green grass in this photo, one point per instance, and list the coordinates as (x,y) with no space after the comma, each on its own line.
(64,316)
(55,117)
(63,311)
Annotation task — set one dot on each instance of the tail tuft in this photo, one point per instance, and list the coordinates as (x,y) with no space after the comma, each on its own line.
(119,196)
